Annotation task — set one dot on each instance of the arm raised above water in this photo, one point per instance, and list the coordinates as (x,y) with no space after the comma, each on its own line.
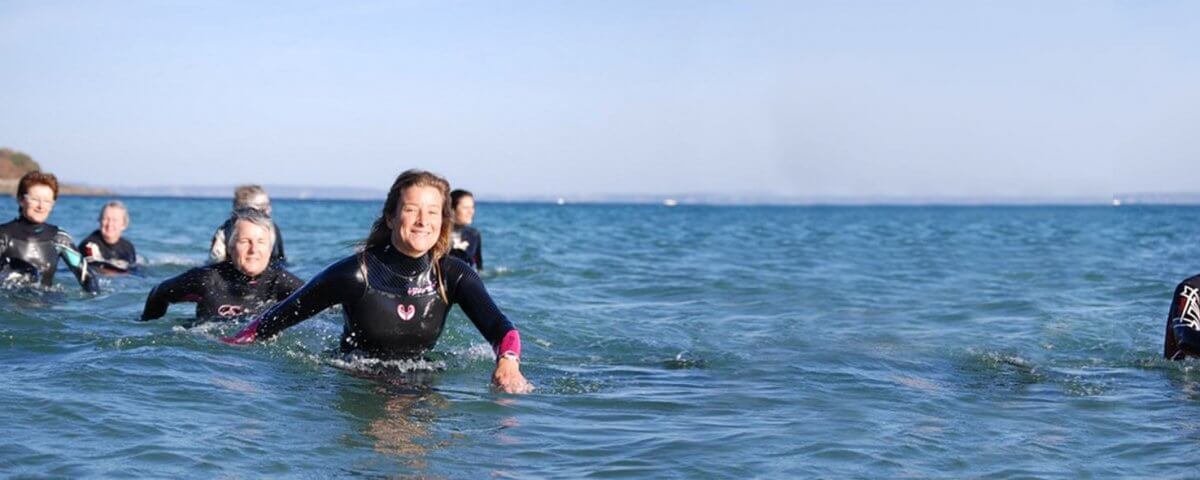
(185,287)
(76,262)
(338,283)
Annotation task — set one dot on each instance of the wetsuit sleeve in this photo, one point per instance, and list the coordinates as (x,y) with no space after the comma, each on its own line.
(3,248)
(286,285)
(75,262)
(479,252)
(467,290)
(185,287)
(338,283)
(1178,302)
(82,247)
(279,245)
(216,253)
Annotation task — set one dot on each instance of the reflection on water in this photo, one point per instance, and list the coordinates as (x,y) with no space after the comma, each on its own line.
(398,410)
(404,426)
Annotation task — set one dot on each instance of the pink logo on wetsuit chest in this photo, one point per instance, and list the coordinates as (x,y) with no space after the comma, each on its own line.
(406,312)
(229,311)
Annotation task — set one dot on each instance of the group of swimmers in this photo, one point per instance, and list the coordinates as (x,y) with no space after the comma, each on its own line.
(418,260)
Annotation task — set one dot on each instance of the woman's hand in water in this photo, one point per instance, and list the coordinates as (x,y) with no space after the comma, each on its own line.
(508,379)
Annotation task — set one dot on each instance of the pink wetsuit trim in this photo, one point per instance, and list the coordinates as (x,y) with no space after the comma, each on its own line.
(511,343)
(247,335)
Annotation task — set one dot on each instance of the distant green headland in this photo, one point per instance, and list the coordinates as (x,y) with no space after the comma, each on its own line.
(15,163)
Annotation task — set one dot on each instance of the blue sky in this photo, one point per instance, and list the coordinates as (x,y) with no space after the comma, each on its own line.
(791,98)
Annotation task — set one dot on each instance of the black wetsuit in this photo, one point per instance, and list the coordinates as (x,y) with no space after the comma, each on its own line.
(30,251)
(391,304)
(1182,338)
(467,244)
(116,258)
(221,291)
(218,253)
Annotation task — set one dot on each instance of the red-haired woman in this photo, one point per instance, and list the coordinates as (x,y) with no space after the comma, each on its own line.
(30,247)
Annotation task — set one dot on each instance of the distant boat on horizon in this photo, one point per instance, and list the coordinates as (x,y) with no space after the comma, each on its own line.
(670,202)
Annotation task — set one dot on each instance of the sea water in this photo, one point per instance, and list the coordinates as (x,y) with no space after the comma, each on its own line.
(685,342)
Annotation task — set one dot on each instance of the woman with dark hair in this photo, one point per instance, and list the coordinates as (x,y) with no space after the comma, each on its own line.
(30,247)
(396,291)
(465,241)
(240,285)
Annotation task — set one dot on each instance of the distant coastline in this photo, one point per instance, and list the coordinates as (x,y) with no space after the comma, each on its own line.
(14,163)
(309,192)
(9,187)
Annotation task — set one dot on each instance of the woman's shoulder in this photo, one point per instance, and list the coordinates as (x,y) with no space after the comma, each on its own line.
(455,269)
(452,262)
(345,266)
(1192,281)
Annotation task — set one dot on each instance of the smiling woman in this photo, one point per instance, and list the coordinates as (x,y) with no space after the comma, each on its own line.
(105,248)
(29,247)
(397,291)
(241,285)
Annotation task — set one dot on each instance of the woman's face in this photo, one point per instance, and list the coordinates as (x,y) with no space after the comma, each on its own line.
(112,224)
(37,203)
(464,213)
(417,221)
(252,252)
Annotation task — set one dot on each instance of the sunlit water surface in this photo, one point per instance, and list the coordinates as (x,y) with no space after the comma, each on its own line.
(686,342)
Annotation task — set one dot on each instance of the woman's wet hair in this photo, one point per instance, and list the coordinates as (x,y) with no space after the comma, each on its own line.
(457,195)
(381,233)
(248,215)
(29,180)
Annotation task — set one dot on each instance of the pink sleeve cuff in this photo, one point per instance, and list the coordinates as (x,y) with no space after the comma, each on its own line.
(247,335)
(511,343)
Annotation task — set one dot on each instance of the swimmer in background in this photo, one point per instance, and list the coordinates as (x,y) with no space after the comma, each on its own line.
(104,248)
(396,292)
(241,285)
(466,242)
(30,247)
(246,197)
(1182,338)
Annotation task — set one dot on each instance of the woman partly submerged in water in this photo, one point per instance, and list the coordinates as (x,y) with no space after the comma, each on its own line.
(241,285)
(30,247)
(396,292)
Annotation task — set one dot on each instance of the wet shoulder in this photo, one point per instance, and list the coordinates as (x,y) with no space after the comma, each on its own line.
(345,269)
(8,226)
(455,269)
(1192,281)
(60,236)
(280,274)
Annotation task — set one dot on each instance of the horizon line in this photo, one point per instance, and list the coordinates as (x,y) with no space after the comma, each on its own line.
(349,193)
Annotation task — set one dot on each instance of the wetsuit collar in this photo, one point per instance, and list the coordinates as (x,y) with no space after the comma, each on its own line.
(101,237)
(237,273)
(404,264)
(29,225)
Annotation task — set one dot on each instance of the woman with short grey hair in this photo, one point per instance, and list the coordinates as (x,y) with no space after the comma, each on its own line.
(245,283)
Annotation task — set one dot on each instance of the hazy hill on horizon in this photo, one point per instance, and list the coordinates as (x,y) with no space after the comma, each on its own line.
(14,164)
